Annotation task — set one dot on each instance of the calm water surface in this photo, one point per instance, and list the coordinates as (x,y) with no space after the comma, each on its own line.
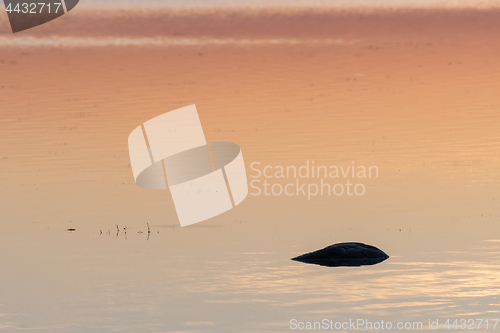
(425,110)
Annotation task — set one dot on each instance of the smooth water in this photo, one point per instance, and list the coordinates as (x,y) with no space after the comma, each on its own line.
(288,3)
(423,107)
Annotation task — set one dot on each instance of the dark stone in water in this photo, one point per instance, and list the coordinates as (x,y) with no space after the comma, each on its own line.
(344,254)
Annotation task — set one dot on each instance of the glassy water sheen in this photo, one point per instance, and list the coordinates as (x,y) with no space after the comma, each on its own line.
(423,107)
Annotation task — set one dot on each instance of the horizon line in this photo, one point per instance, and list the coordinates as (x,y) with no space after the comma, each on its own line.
(298,4)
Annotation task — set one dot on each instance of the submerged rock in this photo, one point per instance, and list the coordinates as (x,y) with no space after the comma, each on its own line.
(344,254)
